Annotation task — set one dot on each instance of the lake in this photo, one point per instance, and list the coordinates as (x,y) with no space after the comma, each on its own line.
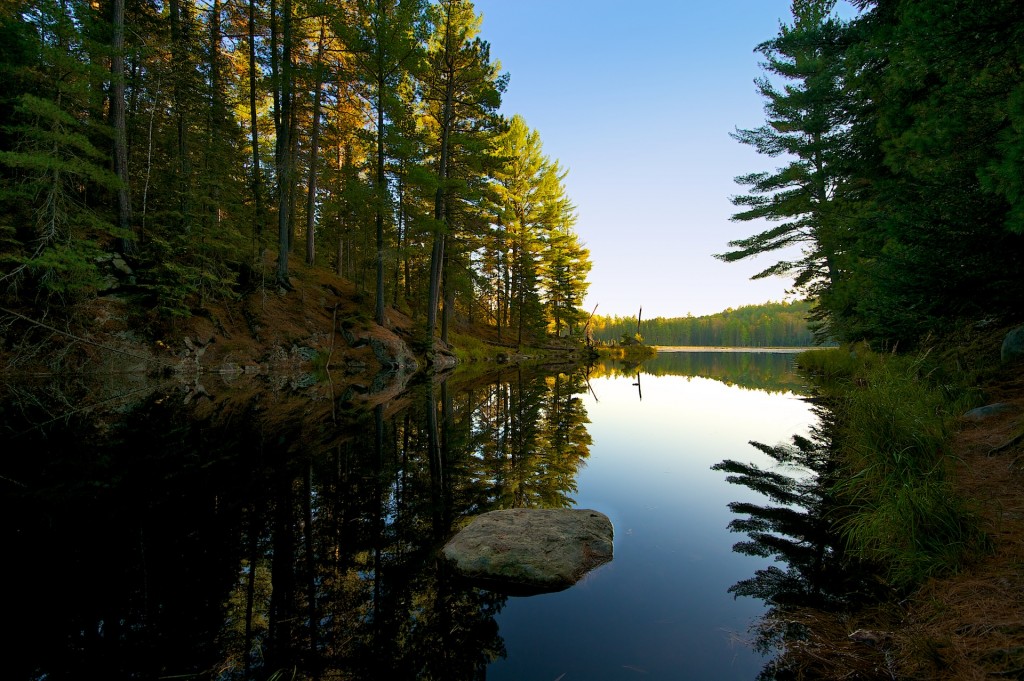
(252,532)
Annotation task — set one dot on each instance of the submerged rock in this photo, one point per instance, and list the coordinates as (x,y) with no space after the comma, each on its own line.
(531,550)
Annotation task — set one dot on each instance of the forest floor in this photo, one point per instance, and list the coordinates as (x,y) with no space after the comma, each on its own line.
(971,625)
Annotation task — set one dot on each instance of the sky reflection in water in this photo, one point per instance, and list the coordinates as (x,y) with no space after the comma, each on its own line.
(661,608)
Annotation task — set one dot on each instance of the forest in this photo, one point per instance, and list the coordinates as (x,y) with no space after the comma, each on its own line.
(898,204)
(768,325)
(170,150)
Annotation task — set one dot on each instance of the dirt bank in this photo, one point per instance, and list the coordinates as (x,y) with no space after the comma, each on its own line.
(971,625)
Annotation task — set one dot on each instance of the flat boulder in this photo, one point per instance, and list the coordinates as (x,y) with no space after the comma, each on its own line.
(526,550)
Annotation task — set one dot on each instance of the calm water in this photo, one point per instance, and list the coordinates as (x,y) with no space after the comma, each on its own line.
(229,538)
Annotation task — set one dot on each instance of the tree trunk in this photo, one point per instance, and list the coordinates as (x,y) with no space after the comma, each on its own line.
(379,213)
(314,148)
(180,96)
(257,182)
(284,146)
(124,205)
(449,291)
(401,242)
(218,109)
(440,212)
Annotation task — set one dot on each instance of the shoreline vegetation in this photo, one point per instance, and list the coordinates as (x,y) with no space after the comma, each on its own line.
(924,496)
(733,348)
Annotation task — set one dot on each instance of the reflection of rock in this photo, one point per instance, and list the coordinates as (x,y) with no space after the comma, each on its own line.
(532,550)
(440,356)
(392,353)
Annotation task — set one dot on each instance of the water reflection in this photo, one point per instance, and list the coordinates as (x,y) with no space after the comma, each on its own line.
(235,534)
(770,371)
(812,571)
(241,537)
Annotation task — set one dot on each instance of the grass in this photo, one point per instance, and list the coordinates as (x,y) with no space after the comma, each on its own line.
(898,508)
(469,348)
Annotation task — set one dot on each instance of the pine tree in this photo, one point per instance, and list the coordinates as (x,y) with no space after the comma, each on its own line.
(385,38)
(527,188)
(461,91)
(53,161)
(807,126)
(565,265)
(937,137)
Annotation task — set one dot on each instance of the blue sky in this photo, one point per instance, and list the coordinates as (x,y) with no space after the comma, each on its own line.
(637,100)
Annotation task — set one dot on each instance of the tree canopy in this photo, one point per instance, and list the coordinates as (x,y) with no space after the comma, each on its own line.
(901,136)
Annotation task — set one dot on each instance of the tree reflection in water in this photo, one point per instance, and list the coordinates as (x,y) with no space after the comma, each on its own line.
(813,572)
(772,372)
(261,537)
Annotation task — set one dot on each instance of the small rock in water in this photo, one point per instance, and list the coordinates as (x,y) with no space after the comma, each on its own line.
(526,551)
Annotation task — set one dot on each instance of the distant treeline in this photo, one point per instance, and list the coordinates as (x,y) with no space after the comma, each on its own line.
(767,325)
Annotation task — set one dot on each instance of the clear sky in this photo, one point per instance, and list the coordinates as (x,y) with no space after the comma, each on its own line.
(637,100)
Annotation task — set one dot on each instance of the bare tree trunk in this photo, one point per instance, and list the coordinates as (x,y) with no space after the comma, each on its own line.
(183,167)
(449,291)
(401,242)
(440,215)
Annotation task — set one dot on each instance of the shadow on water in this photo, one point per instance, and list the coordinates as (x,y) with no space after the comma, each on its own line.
(812,572)
(232,538)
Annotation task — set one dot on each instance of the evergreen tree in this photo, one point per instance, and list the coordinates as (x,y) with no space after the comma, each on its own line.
(461,92)
(525,186)
(565,264)
(937,142)
(807,125)
(386,38)
(53,232)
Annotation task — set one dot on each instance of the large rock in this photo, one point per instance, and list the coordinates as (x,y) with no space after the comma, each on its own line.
(1013,345)
(531,550)
(393,354)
